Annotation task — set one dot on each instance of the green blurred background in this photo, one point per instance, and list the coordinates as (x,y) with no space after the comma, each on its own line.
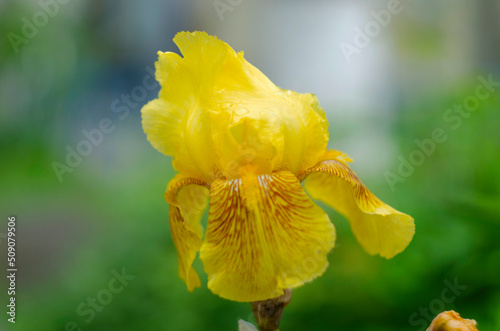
(72,69)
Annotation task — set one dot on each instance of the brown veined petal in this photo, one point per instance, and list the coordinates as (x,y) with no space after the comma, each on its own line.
(188,198)
(264,235)
(379,228)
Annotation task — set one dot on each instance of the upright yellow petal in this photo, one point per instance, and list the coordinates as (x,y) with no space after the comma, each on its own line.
(188,198)
(316,128)
(217,114)
(379,228)
(264,235)
(164,124)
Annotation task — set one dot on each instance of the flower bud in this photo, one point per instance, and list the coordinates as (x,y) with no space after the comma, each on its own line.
(451,321)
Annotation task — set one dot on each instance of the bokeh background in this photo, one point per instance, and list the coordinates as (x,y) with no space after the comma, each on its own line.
(74,68)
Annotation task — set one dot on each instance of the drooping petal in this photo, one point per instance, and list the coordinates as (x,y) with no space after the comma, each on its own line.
(188,198)
(264,235)
(379,228)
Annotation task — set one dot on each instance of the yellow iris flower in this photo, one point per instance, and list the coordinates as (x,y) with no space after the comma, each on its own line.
(242,145)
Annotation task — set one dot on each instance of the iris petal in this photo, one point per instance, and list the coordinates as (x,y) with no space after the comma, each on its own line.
(264,235)
(379,228)
(315,126)
(188,198)
(216,111)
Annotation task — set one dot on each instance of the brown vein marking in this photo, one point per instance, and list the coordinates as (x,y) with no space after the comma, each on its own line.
(366,200)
